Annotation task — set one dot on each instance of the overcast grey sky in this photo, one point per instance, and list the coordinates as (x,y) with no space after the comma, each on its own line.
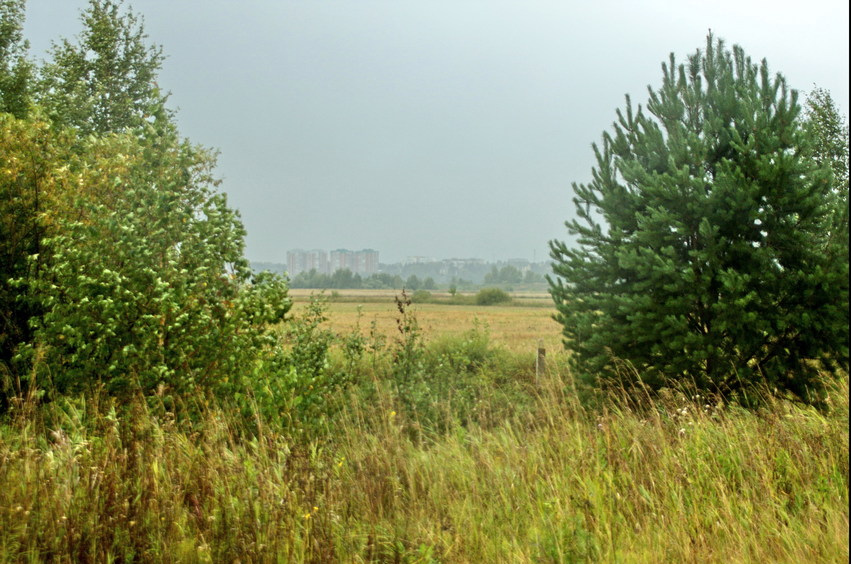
(433,128)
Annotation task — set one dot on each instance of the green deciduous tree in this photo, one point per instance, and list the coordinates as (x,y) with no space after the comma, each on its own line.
(508,274)
(138,278)
(702,247)
(828,135)
(413,282)
(34,170)
(121,262)
(130,278)
(106,81)
(15,70)
(532,277)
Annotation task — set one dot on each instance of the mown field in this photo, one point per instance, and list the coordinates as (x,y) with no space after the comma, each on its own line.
(440,449)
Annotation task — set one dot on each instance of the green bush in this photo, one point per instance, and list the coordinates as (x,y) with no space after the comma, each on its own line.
(452,380)
(150,288)
(492,296)
(421,297)
(295,385)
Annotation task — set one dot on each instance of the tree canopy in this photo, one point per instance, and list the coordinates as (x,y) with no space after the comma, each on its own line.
(122,264)
(828,135)
(106,81)
(702,250)
(15,69)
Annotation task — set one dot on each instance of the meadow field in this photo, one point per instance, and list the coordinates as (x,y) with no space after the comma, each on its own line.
(519,326)
(436,443)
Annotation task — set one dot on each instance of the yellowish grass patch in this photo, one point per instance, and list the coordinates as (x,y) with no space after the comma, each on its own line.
(518,327)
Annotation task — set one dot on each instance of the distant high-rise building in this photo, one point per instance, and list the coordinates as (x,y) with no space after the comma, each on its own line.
(299,261)
(364,262)
(341,259)
(367,261)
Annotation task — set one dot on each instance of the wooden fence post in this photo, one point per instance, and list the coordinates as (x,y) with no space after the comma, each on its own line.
(540,361)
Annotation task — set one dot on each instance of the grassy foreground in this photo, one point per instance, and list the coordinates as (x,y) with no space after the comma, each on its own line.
(557,486)
(492,467)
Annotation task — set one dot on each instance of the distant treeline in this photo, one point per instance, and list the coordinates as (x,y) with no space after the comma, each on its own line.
(346,280)
(512,275)
(425,276)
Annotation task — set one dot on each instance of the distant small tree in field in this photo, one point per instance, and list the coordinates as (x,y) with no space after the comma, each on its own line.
(413,282)
(703,248)
(532,277)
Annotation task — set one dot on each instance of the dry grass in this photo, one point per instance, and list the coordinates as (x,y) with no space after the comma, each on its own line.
(517,327)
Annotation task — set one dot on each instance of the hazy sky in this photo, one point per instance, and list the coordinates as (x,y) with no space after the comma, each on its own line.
(433,128)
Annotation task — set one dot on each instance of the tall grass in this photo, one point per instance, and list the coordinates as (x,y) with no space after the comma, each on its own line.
(531,476)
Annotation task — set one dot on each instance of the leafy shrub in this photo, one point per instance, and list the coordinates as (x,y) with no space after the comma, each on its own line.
(467,352)
(35,165)
(421,297)
(149,288)
(296,385)
(446,382)
(492,296)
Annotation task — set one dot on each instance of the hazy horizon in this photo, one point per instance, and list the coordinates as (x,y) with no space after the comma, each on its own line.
(410,259)
(441,129)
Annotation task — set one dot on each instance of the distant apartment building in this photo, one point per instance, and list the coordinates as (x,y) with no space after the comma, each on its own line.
(364,262)
(367,262)
(419,260)
(299,261)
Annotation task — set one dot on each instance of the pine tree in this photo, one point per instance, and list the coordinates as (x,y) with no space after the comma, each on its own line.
(702,249)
